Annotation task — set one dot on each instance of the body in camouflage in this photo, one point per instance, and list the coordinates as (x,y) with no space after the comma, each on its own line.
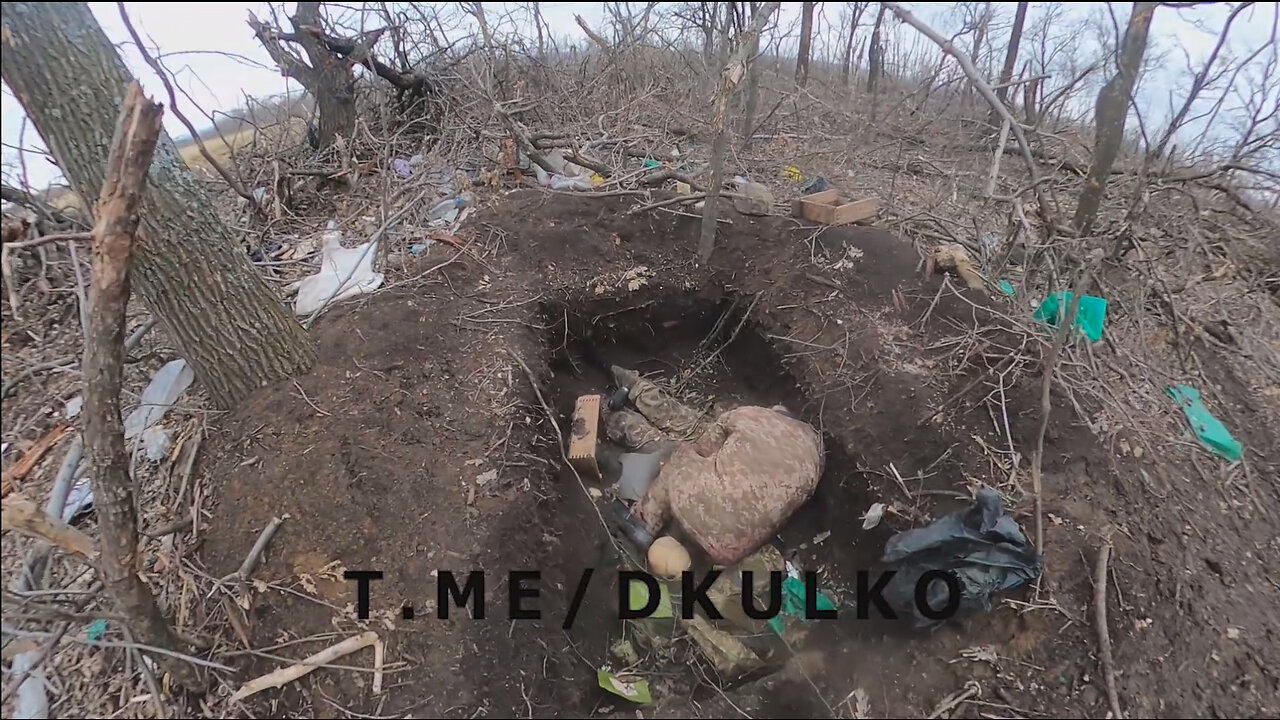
(735,484)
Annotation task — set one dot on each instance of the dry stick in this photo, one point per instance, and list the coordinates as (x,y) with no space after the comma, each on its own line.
(984,89)
(730,76)
(46,239)
(1100,620)
(282,676)
(66,360)
(22,516)
(995,161)
(132,148)
(255,555)
(230,179)
(560,438)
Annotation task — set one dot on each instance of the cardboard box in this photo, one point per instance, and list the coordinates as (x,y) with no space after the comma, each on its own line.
(583,435)
(830,207)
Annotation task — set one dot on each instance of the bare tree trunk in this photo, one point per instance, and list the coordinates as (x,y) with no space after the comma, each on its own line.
(1110,113)
(753,85)
(846,67)
(1011,53)
(875,54)
(113,236)
(732,74)
(327,78)
(806,41)
(188,268)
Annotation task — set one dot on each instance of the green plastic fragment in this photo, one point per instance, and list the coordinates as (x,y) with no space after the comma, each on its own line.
(1006,287)
(793,603)
(651,163)
(638,597)
(1210,431)
(1091,315)
(96,630)
(635,690)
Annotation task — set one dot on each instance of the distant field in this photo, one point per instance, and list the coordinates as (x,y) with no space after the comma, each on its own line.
(221,149)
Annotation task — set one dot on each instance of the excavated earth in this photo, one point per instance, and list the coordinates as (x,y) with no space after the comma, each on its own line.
(417,447)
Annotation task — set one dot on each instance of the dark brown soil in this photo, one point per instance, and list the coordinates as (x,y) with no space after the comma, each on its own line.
(382,458)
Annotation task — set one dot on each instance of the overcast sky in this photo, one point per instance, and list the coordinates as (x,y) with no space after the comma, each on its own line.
(188,33)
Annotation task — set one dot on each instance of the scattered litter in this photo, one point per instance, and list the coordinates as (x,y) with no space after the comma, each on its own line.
(1007,288)
(32,700)
(793,603)
(79,500)
(791,173)
(161,393)
(259,195)
(1091,315)
(73,407)
(873,516)
(402,167)
(420,247)
(683,187)
(984,549)
(816,185)
(817,539)
(650,163)
(446,211)
(338,264)
(416,160)
(1208,429)
(638,472)
(630,687)
(485,477)
(753,198)
(562,182)
(96,630)
(156,443)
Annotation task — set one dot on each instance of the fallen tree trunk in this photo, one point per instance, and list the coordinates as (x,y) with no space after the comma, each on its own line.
(113,239)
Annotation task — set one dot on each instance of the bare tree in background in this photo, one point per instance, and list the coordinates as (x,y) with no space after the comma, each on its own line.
(327,77)
(753,84)
(1011,55)
(1110,112)
(806,42)
(189,268)
(875,54)
(846,66)
(733,72)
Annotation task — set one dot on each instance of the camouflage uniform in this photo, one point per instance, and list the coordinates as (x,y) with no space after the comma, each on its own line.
(733,487)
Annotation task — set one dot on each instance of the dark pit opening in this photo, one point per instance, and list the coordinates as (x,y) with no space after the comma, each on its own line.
(668,334)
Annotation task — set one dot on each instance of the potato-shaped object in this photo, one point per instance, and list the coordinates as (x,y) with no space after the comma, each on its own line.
(668,558)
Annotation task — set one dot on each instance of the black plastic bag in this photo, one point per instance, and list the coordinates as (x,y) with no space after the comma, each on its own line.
(983,549)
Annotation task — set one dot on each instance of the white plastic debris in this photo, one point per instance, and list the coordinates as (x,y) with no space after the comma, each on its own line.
(562,182)
(349,272)
(32,700)
(79,499)
(156,443)
(402,167)
(873,516)
(161,393)
(73,407)
(259,195)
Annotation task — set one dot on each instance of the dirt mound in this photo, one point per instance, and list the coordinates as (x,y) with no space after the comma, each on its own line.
(418,446)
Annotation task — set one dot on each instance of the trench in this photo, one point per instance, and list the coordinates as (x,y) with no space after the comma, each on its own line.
(662,334)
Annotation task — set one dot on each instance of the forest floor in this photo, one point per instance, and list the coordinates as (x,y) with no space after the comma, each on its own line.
(419,445)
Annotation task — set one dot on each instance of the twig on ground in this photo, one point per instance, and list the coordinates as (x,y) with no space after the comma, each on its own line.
(255,555)
(281,677)
(1100,623)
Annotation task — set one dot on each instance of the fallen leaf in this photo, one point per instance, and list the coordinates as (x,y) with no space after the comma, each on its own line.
(873,516)
(485,477)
